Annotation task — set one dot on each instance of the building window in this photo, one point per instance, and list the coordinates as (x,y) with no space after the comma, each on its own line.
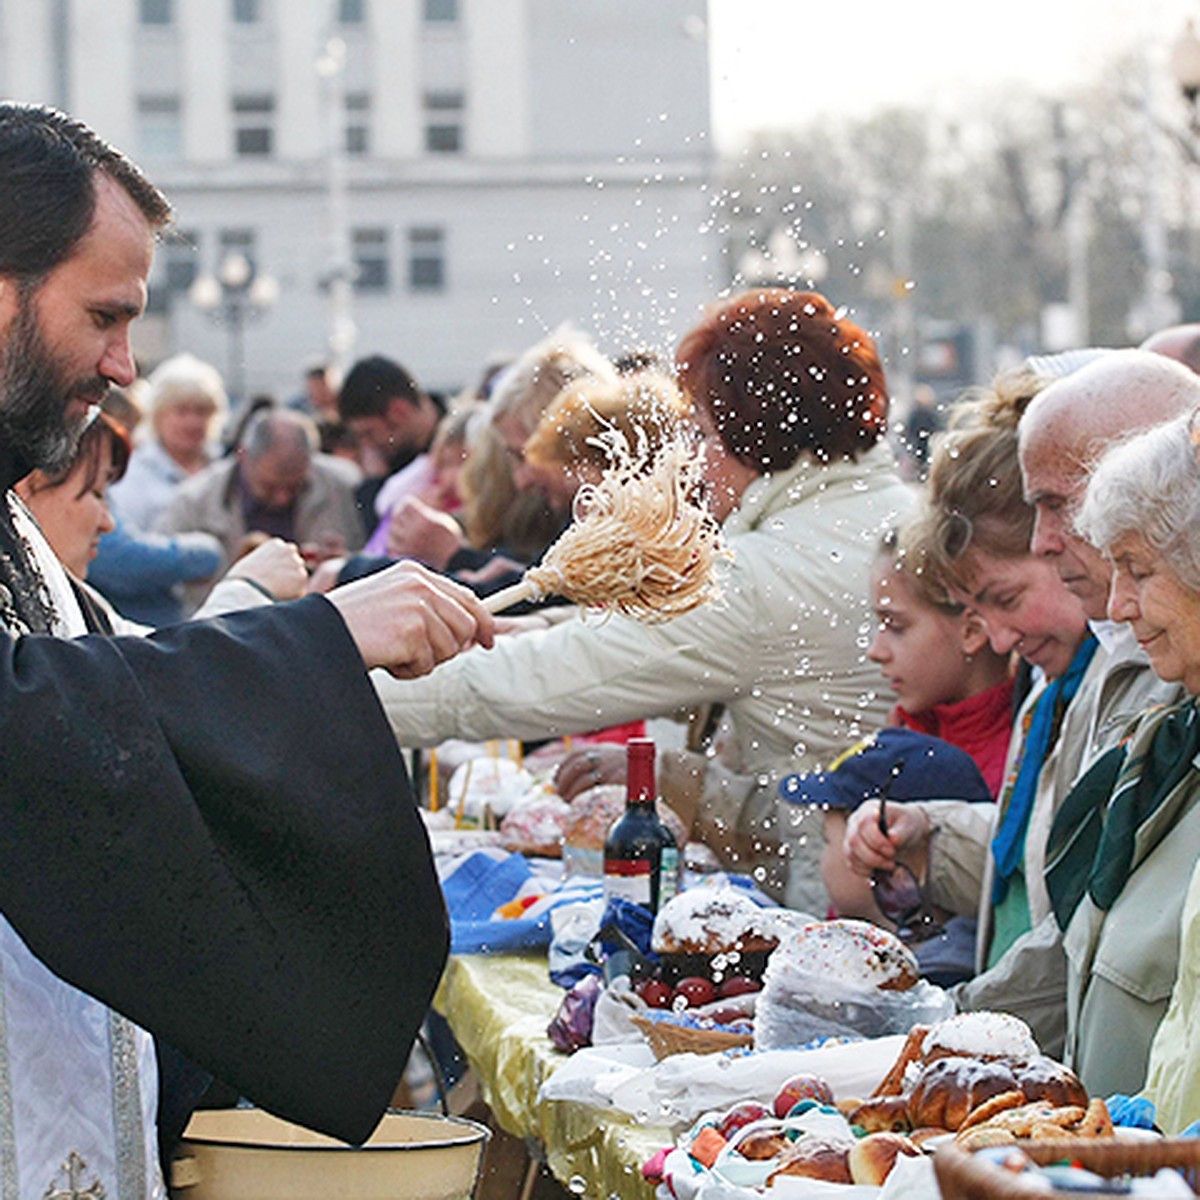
(358,123)
(441,11)
(372,270)
(155,12)
(159,127)
(351,12)
(444,122)
(247,12)
(426,260)
(253,121)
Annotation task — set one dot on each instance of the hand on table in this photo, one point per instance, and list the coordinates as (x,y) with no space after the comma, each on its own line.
(589,767)
(408,619)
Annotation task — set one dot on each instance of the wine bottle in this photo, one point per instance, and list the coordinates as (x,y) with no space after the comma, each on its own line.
(641,857)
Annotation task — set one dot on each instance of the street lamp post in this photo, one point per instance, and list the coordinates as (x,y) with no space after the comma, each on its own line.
(235,294)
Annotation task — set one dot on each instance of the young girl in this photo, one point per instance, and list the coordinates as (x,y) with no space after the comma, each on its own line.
(948,680)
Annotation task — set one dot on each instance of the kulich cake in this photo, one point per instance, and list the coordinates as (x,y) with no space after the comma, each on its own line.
(712,920)
(855,953)
(980,1035)
(535,825)
(487,785)
(591,817)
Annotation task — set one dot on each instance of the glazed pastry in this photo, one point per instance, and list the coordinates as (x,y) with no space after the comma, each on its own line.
(815,1158)
(883,1113)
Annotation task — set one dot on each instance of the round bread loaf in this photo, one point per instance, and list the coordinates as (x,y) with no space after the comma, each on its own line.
(872,1158)
(535,826)
(947,1089)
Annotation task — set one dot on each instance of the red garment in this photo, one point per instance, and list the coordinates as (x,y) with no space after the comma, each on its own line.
(981,725)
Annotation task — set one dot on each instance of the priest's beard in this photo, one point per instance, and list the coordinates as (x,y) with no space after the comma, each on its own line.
(35,394)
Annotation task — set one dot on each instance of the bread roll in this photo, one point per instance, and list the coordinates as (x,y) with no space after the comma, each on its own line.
(815,1158)
(872,1158)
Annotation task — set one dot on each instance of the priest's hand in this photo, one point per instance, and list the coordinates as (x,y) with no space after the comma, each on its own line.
(408,619)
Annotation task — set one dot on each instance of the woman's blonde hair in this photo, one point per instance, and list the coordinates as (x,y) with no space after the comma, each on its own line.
(974,500)
(645,408)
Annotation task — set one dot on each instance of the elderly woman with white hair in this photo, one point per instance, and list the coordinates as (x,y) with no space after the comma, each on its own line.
(1128,836)
(187,404)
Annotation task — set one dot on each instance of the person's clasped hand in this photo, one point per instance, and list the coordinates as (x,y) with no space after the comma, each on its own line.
(869,849)
(588,768)
(275,566)
(408,619)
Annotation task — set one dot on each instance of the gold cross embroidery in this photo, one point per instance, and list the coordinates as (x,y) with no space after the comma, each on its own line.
(73,1169)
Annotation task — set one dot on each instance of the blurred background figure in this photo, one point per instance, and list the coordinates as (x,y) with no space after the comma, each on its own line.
(392,420)
(275,485)
(319,399)
(187,406)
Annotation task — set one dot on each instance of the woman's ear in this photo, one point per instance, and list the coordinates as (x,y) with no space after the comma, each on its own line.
(974,633)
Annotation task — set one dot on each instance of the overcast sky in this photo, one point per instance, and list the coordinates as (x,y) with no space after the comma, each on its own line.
(780,62)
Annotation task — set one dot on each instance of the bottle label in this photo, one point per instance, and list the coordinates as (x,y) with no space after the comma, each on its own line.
(629,879)
(668,884)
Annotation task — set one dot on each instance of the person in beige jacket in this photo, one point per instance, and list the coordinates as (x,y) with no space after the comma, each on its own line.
(791,402)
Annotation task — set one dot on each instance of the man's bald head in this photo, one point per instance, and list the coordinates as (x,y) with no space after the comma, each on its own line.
(1065,430)
(1180,342)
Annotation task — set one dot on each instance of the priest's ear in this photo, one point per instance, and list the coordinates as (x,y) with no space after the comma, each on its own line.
(974,633)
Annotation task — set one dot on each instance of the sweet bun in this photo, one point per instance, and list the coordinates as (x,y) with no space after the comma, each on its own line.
(815,1158)
(1042,1078)
(856,953)
(871,1158)
(881,1114)
(948,1089)
(592,815)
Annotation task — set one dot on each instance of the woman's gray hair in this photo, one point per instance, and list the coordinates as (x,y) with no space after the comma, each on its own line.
(1150,485)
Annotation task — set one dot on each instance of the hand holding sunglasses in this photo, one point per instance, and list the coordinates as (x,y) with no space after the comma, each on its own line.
(898,893)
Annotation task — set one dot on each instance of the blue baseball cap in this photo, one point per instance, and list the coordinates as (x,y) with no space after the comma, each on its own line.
(925,768)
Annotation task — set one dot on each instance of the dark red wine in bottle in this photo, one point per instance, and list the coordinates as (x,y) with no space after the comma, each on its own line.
(641,857)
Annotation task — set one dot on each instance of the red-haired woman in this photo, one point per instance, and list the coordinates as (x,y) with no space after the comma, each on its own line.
(791,404)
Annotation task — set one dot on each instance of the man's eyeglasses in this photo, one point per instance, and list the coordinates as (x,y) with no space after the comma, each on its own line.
(898,893)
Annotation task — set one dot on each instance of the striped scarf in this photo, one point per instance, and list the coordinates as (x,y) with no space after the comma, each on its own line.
(1094,844)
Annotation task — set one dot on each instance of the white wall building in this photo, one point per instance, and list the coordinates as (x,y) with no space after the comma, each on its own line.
(492,167)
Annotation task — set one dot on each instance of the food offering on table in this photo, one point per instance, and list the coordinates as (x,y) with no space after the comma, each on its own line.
(483,790)
(536,824)
(592,815)
(748,1147)
(980,1078)
(842,978)
(642,541)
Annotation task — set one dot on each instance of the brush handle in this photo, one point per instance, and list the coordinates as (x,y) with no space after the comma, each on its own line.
(507,597)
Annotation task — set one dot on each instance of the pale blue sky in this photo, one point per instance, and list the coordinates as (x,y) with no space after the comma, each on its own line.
(779,62)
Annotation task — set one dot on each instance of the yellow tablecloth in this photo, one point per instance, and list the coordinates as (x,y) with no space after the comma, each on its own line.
(499,1007)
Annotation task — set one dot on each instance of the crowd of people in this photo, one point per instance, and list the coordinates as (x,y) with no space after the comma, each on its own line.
(1024,608)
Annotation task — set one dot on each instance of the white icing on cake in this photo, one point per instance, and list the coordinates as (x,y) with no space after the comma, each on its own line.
(536,821)
(981,1035)
(707,918)
(855,953)
(497,782)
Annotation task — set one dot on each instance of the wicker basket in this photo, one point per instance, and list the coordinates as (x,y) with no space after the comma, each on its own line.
(666,1038)
(963,1176)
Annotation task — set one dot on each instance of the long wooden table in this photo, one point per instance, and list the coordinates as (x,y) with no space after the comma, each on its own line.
(498,1008)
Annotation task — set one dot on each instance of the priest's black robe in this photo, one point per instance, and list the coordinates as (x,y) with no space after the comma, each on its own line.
(211,830)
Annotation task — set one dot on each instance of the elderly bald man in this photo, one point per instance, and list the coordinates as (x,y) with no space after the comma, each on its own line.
(276,485)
